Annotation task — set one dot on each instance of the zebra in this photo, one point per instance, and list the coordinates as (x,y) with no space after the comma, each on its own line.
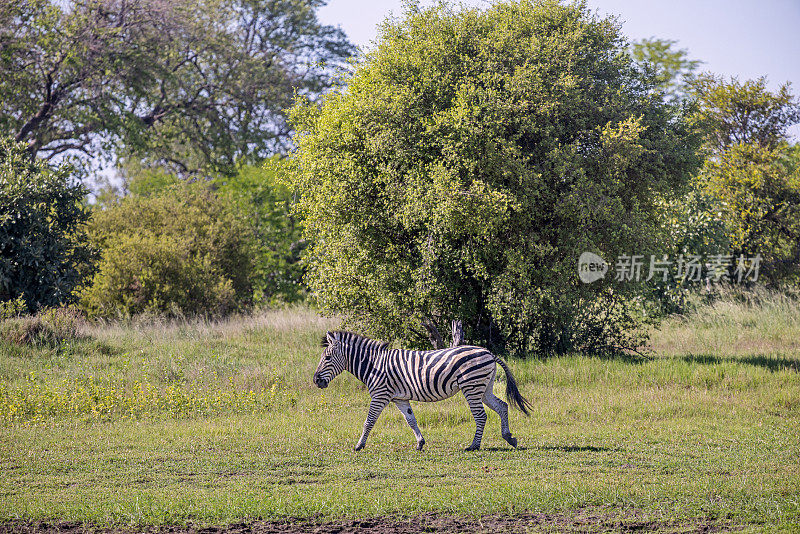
(401,376)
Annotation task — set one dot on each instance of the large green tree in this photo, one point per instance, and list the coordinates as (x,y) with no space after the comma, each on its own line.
(467,163)
(187,84)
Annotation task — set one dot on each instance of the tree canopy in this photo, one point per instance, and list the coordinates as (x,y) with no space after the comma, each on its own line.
(752,174)
(671,68)
(733,112)
(470,159)
(186,84)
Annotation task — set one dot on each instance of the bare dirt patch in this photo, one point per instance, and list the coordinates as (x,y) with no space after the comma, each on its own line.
(591,520)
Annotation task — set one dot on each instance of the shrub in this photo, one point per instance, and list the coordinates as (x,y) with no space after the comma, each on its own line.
(49,326)
(260,196)
(181,251)
(13,308)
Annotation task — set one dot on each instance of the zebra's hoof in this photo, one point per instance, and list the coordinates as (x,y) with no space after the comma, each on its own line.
(472,448)
(420,445)
(511,440)
(358,447)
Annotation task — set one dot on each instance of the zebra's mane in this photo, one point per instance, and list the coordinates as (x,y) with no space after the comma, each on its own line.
(351,336)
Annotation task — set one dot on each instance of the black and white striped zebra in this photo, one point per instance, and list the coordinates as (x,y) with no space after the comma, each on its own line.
(400,376)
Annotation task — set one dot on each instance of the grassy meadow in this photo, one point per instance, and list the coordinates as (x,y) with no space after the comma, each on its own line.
(214,422)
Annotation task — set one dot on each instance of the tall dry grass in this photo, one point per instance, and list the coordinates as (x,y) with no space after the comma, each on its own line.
(757,323)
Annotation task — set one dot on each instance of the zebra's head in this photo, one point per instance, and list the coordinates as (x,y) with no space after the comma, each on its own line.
(331,363)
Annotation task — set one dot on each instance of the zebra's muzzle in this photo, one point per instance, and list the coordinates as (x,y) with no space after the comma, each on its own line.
(321,383)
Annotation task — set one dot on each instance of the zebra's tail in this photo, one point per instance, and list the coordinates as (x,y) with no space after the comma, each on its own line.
(512,391)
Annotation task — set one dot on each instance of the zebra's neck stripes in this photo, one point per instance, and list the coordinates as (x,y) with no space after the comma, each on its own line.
(361,354)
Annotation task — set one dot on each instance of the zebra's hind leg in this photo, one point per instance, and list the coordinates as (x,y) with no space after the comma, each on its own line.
(502,410)
(408,413)
(474,396)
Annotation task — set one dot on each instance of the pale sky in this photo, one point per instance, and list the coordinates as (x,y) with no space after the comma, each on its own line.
(744,38)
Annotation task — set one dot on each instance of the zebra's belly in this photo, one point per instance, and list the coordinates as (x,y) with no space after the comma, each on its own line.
(430,395)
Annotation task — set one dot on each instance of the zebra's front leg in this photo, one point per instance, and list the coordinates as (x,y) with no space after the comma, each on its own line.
(408,413)
(475,401)
(376,406)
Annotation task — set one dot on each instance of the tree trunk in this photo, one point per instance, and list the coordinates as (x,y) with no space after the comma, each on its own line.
(458,333)
(433,334)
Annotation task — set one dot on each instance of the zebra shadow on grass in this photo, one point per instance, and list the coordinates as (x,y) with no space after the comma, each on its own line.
(574,448)
(503,449)
(560,448)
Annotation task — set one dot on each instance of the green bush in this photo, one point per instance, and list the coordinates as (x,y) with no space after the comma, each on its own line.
(13,308)
(257,196)
(181,251)
(757,190)
(44,250)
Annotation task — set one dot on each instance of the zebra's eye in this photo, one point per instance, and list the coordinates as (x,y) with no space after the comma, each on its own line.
(327,357)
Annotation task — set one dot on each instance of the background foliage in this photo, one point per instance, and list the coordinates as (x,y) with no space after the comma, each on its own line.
(43,248)
(259,195)
(193,85)
(671,69)
(180,251)
(185,248)
(751,173)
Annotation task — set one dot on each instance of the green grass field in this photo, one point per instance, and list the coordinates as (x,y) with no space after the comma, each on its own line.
(219,422)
